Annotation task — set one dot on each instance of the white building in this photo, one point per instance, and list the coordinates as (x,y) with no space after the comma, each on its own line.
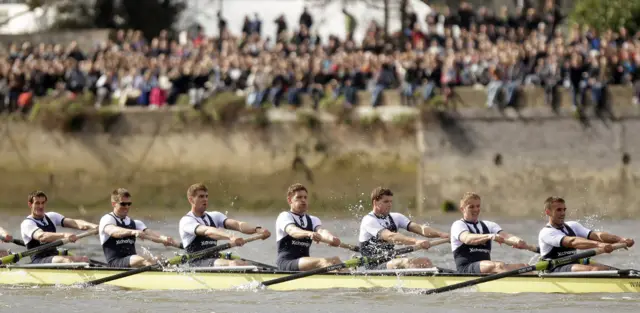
(327,19)
(16,18)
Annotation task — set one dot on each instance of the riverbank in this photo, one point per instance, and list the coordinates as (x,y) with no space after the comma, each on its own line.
(248,157)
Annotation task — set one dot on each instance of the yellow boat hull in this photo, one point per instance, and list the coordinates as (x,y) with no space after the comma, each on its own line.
(225,280)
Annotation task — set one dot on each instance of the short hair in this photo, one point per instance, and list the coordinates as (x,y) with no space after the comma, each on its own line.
(119,193)
(37,194)
(469,196)
(193,189)
(295,188)
(551,200)
(380,192)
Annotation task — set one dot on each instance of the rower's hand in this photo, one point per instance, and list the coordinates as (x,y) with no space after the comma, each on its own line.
(139,234)
(335,242)
(236,241)
(608,248)
(445,235)
(628,241)
(168,242)
(71,237)
(498,239)
(520,244)
(8,238)
(424,244)
(315,236)
(88,226)
(265,233)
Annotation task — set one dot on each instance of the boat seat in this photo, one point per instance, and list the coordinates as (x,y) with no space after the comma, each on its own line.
(51,265)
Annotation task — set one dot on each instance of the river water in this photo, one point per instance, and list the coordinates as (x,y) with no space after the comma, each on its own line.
(97,299)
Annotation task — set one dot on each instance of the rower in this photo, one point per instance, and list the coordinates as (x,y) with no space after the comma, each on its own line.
(118,233)
(296,230)
(379,233)
(471,240)
(559,238)
(7,238)
(40,228)
(200,229)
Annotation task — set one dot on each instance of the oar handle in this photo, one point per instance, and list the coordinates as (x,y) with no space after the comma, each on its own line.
(616,246)
(91,232)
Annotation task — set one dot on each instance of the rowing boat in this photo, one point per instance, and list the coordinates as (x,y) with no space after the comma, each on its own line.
(229,278)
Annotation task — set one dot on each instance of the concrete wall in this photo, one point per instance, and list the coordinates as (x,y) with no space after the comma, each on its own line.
(542,154)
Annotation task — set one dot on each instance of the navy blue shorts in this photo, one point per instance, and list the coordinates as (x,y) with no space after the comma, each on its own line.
(45,260)
(376,266)
(121,262)
(562,268)
(288,265)
(208,262)
(471,268)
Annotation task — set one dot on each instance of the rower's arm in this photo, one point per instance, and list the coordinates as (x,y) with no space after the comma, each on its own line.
(327,237)
(78,224)
(474,239)
(242,227)
(396,238)
(509,238)
(119,232)
(44,236)
(212,232)
(3,232)
(580,243)
(297,232)
(604,237)
(426,231)
(159,238)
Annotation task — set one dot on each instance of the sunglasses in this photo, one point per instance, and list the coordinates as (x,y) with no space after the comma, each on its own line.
(126,203)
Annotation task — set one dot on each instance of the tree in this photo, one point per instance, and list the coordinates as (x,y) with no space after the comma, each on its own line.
(609,14)
(149,16)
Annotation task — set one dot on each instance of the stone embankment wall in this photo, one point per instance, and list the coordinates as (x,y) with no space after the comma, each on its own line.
(514,160)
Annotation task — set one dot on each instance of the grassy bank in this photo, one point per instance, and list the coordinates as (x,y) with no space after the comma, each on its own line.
(78,114)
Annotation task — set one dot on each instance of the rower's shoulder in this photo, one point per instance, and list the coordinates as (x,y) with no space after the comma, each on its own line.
(215,214)
(396,215)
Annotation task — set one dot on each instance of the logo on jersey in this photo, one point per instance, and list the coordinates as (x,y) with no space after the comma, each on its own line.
(300,243)
(125,241)
(474,250)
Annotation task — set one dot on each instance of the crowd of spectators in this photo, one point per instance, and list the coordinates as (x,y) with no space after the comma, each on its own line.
(500,51)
